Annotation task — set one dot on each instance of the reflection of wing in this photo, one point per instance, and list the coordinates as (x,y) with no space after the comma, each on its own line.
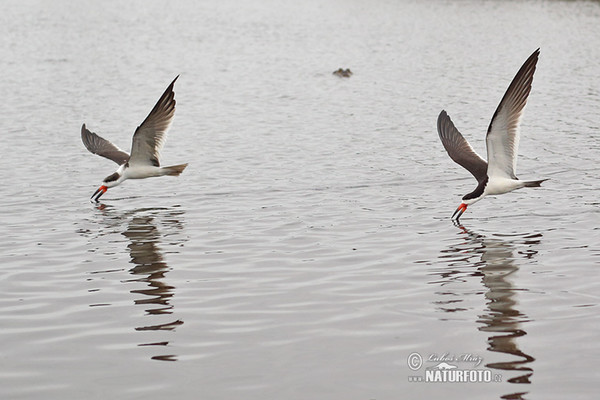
(459,149)
(503,133)
(150,136)
(102,147)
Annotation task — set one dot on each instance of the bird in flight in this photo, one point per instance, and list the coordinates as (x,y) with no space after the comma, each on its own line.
(148,140)
(497,175)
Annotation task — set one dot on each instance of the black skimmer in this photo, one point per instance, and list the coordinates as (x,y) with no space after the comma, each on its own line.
(497,176)
(148,141)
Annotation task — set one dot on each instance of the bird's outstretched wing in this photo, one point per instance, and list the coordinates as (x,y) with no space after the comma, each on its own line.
(503,133)
(150,136)
(102,147)
(459,149)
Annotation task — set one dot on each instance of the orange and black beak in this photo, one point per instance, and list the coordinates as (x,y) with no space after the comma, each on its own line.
(460,210)
(101,190)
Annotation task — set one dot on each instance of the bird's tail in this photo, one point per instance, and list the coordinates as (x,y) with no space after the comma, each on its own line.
(174,170)
(534,183)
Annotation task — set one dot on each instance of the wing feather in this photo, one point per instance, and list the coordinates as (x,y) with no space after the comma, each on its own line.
(98,145)
(151,135)
(503,133)
(459,149)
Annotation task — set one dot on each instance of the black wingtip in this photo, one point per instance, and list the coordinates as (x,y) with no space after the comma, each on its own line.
(442,118)
(171,86)
(534,55)
(84,133)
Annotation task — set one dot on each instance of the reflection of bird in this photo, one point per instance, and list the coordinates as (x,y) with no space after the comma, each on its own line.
(495,262)
(150,268)
(497,176)
(148,141)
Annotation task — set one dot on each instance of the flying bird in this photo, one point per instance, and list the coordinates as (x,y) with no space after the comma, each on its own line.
(148,140)
(497,175)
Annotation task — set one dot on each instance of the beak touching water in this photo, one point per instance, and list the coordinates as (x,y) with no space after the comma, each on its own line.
(101,190)
(460,210)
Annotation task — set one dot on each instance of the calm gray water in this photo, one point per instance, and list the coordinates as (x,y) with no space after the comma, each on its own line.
(307,250)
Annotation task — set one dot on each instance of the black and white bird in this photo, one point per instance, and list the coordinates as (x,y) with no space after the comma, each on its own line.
(497,175)
(148,140)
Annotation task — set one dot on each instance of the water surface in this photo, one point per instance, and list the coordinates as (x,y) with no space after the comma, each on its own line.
(307,250)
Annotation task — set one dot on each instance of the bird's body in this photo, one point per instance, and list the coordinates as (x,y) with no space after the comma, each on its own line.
(498,174)
(500,185)
(148,140)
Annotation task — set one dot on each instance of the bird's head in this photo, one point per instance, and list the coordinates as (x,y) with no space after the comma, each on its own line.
(466,201)
(459,211)
(110,181)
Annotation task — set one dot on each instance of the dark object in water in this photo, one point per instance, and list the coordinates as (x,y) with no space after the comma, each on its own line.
(343,73)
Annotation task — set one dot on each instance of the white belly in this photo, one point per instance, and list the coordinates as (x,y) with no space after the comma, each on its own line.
(142,171)
(502,185)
